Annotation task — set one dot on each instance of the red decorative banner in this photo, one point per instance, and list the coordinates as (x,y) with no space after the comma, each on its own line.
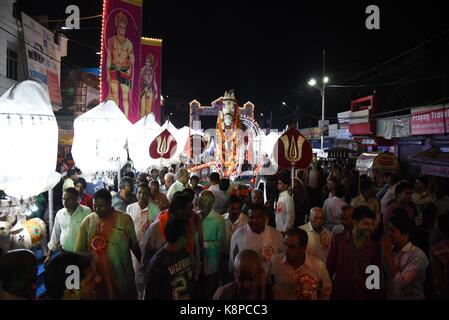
(293,150)
(120,55)
(163,146)
(430,121)
(150,78)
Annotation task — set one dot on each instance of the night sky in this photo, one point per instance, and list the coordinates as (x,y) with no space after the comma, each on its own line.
(267,51)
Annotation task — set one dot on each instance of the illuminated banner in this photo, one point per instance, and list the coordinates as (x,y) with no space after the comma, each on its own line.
(150,78)
(120,55)
(43,56)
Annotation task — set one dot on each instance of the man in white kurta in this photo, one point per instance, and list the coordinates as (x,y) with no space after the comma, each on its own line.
(143,213)
(285,208)
(257,236)
(319,237)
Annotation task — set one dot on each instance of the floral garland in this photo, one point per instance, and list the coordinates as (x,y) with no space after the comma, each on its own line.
(228,166)
(306,287)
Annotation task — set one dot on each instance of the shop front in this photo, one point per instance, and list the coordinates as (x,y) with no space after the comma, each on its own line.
(434,161)
(375,165)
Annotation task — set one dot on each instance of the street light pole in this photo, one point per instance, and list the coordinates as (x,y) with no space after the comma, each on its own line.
(325,79)
(322,115)
(322,89)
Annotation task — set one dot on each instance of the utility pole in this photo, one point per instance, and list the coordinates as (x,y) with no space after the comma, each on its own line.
(322,97)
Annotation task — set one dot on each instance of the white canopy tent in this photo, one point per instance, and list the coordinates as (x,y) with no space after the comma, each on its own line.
(29,143)
(144,132)
(181,136)
(100,136)
(269,141)
(141,135)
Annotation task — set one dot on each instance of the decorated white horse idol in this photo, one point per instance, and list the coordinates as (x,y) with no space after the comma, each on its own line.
(227,139)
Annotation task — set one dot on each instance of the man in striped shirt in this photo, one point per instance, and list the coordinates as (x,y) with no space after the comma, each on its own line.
(296,275)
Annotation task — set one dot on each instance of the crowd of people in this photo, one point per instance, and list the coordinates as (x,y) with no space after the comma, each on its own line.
(163,236)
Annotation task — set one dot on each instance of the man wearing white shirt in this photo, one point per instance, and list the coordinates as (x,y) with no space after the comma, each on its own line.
(67,223)
(257,236)
(143,213)
(234,219)
(285,209)
(179,184)
(214,181)
(405,265)
(332,207)
(319,237)
(169,179)
(392,182)
(214,237)
(219,188)
(69,182)
(296,275)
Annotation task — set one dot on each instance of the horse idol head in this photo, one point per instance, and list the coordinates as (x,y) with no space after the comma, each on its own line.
(228,107)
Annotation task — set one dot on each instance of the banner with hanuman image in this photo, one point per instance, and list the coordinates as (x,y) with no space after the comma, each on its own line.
(150,78)
(120,55)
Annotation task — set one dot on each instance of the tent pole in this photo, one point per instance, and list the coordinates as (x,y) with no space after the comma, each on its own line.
(50,210)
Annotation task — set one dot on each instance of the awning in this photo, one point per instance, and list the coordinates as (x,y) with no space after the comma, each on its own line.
(377,161)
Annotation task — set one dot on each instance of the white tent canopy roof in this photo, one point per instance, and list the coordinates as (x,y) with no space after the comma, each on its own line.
(29,143)
(100,137)
(140,137)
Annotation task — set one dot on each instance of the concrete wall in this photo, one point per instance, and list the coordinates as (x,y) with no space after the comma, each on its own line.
(9,39)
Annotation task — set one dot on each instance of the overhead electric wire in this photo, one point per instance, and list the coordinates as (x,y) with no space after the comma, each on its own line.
(386,84)
(83,18)
(409,61)
(398,56)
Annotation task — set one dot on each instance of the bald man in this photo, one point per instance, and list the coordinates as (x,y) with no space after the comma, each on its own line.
(214,235)
(179,185)
(249,283)
(257,197)
(319,237)
(18,269)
